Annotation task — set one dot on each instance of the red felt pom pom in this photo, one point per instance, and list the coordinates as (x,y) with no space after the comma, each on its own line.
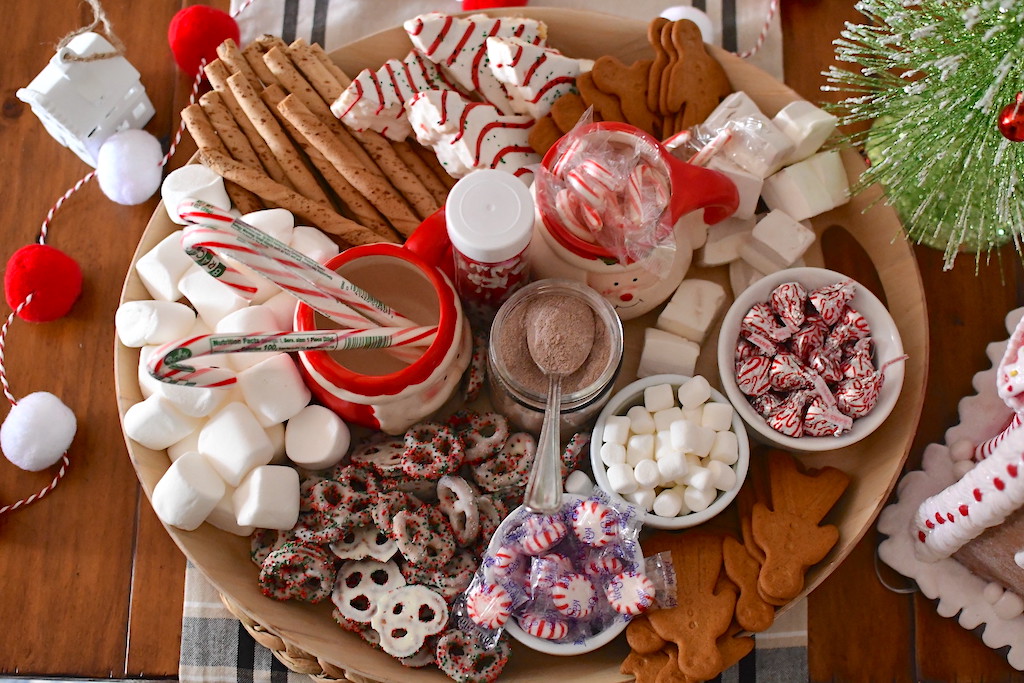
(194,34)
(51,276)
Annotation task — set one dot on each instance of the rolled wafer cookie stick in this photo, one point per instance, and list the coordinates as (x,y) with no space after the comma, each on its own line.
(253,53)
(290,158)
(218,73)
(318,214)
(401,176)
(206,138)
(227,128)
(232,56)
(318,52)
(380,193)
(354,204)
(437,189)
(318,75)
(430,159)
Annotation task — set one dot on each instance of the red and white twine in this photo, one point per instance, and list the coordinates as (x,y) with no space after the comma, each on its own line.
(773,7)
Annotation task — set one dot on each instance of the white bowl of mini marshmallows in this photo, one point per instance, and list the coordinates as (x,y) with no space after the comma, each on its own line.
(672,446)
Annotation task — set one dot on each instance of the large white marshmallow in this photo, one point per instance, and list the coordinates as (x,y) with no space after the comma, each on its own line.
(579,483)
(694,392)
(717,416)
(155,423)
(806,125)
(742,275)
(737,105)
(724,241)
(187,492)
(282,305)
(235,442)
(163,266)
(832,173)
(797,190)
(152,322)
(692,309)
(278,223)
(275,433)
(664,352)
(316,438)
(757,145)
(211,298)
(314,243)
(268,498)
(273,389)
(777,241)
(223,515)
(180,448)
(249,320)
(192,401)
(192,181)
(748,185)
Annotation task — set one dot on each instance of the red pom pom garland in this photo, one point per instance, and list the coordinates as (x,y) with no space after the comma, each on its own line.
(194,34)
(49,276)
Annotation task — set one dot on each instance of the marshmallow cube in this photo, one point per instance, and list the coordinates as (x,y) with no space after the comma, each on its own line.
(223,515)
(832,174)
(737,105)
(621,479)
(673,467)
(668,503)
(663,419)
(692,309)
(647,474)
(664,352)
(248,320)
(163,266)
(579,483)
(797,190)
(724,241)
(723,477)
(155,423)
(725,448)
(212,299)
(616,430)
(274,389)
(314,243)
(192,181)
(695,392)
(806,125)
(613,454)
(268,498)
(748,186)
(640,421)
(690,437)
(278,223)
(776,242)
(757,146)
(658,397)
(717,416)
(642,498)
(742,275)
(316,438)
(152,322)
(187,492)
(698,500)
(235,442)
(639,447)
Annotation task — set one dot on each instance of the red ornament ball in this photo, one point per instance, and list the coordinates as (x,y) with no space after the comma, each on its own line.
(194,34)
(51,276)
(1011,120)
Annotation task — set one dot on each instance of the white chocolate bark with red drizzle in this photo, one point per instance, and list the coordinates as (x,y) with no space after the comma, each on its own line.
(375,100)
(458,46)
(467,135)
(534,76)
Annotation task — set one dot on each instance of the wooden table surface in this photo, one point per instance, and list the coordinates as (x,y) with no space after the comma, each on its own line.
(92,585)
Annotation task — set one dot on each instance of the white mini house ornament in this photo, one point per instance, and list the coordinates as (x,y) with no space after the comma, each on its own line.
(82,102)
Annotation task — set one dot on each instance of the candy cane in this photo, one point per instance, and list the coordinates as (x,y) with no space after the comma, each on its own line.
(170,364)
(985,449)
(713,147)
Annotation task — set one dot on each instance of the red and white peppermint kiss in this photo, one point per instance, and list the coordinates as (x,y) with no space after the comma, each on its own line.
(542,538)
(630,593)
(788,301)
(573,595)
(753,375)
(489,605)
(543,627)
(594,523)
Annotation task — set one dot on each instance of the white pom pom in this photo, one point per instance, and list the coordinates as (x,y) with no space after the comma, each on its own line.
(128,166)
(37,431)
(703,21)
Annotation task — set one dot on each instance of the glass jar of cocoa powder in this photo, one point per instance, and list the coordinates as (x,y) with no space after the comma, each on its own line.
(519,388)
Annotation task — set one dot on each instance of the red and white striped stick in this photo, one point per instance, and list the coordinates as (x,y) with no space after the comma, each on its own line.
(170,363)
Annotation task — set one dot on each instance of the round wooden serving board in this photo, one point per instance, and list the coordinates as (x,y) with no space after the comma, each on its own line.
(883,261)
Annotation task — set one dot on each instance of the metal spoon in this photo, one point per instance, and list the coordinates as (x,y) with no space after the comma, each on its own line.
(560,335)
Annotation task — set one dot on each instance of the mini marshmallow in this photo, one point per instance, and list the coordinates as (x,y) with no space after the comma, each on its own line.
(664,352)
(693,307)
(235,442)
(776,242)
(663,419)
(698,500)
(180,448)
(163,266)
(640,421)
(717,416)
(668,503)
(613,454)
(314,243)
(673,467)
(268,498)
(282,305)
(798,190)
(248,320)
(690,437)
(694,414)
(832,174)
(742,275)
(639,447)
(274,390)
(616,429)
(192,181)
(748,185)
(725,448)
(724,241)
(694,392)
(579,483)
(806,125)
(212,299)
(187,492)
(647,474)
(699,478)
(723,477)
(278,223)
(621,479)
(658,397)
(155,423)
(662,444)
(642,498)
(152,322)
(223,515)
(316,438)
